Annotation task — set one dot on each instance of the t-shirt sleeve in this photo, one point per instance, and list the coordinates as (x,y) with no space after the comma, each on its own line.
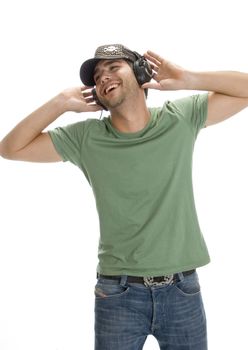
(193,109)
(68,141)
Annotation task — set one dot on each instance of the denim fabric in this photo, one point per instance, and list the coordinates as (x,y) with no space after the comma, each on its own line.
(126,313)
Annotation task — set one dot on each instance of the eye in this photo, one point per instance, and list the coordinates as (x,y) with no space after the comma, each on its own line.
(114,67)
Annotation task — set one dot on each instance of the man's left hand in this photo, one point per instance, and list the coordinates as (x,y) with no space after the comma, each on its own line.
(167,75)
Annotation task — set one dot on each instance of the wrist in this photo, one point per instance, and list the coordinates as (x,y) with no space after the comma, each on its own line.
(62,100)
(192,80)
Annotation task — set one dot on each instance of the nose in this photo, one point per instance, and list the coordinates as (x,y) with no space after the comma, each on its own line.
(105,77)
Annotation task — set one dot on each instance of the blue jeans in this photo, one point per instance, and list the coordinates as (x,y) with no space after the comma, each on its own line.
(126,313)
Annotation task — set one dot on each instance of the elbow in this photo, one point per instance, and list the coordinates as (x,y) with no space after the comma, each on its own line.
(4,152)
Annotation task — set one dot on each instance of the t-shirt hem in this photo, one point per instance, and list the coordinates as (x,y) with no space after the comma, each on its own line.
(143,273)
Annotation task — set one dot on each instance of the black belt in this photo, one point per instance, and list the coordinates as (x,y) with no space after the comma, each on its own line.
(150,281)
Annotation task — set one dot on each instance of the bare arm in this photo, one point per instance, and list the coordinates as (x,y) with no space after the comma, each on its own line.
(27,141)
(228,90)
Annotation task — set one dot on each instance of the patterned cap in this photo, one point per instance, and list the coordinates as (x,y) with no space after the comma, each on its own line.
(104,52)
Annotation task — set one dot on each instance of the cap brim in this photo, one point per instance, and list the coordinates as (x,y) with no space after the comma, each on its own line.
(88,68)
(87,71)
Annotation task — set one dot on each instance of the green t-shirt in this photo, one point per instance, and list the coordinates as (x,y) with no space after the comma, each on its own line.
(142,183)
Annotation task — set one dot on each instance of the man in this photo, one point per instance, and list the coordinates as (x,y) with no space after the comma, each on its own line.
(138,162)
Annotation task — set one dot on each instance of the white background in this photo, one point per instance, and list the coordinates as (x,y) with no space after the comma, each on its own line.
(49,226)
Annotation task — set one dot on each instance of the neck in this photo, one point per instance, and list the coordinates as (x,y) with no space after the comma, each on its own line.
(131,119)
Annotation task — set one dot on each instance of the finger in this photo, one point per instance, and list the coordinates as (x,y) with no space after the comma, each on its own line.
(155,76)
(154,56)
(89,100)
(84,87)
(86,94)
(154,85)
(152,65)
(153,59)
(155,68)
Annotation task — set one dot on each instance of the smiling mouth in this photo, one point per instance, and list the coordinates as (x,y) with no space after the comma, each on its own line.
(110,88)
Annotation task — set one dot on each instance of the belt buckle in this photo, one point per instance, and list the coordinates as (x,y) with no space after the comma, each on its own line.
(149,281)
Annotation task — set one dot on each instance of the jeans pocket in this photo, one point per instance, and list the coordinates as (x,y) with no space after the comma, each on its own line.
(189,286)
(105,289)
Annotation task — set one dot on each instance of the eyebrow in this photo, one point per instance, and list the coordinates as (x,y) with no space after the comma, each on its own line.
(107,63)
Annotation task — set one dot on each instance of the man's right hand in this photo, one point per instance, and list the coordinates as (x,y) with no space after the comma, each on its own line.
(28,142)
(80,99)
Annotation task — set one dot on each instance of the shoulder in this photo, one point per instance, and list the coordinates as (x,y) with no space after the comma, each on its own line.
(85,125)
(188,102)
(94,125)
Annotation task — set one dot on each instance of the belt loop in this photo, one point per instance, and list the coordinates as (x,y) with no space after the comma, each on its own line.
(180,276)
(123,280)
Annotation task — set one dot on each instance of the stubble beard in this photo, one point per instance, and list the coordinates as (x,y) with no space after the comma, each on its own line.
(123,95)
(114,102)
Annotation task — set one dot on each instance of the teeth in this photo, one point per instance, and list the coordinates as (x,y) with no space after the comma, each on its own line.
(112,86)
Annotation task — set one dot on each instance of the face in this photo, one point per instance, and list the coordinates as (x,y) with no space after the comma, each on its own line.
(115,82)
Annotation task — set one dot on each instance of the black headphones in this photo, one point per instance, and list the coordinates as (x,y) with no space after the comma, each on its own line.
(95,97)
(142,71)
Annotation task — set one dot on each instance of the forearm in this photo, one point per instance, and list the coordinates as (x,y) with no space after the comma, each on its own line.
(225,82)
(30,127)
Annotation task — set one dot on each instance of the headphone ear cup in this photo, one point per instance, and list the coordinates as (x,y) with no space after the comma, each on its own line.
(96,99)
(142,70)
